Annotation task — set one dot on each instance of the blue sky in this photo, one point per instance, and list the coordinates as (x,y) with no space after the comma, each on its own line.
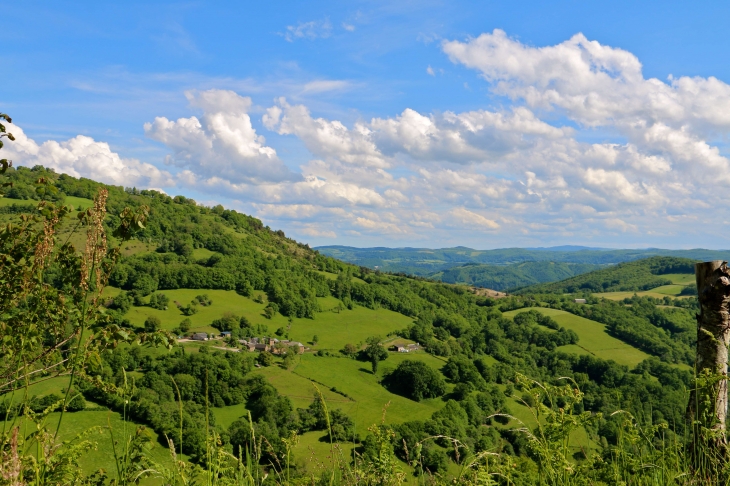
(485,124)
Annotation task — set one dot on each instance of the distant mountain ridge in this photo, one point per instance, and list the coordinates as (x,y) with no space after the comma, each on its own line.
(516,275)
(638,275)
(504,268)
(424,261)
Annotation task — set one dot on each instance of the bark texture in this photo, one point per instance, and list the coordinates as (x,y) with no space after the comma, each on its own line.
(709,403)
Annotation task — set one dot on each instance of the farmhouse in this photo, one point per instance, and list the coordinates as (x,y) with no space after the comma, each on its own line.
(200,336)
(226,334)
(405,348)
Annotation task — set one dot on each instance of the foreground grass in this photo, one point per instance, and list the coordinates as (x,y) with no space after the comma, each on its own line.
(593,338)
(95,424)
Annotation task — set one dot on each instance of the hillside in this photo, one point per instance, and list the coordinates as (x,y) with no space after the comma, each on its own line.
(508,277)
(425,261)
(210,270)
(639,275)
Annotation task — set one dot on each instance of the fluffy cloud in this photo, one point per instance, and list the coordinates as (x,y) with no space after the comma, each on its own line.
(222,144)
(324,138)
(595,84)
(602,86)
(518,169)
(467,218)
(82,156)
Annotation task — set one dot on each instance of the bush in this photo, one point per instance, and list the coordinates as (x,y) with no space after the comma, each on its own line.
(122,302)
(185,325)
(350,350)
(203,300)
(265,359)
(152,324)
(77,403)
(415,380)
(159,301)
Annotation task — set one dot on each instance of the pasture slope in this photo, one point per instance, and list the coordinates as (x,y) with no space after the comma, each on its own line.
(593,338)
(679,282)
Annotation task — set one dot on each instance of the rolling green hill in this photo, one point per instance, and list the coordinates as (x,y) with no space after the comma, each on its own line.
(594,339)
(426,261)
(507,277)
(196,268)
(640,275)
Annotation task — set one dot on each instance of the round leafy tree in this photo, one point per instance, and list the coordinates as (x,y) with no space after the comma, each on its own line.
(415,380)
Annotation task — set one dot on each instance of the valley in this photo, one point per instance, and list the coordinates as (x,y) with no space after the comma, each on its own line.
(623,331)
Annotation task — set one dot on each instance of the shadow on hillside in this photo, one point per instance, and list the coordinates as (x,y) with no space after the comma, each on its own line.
(365,370)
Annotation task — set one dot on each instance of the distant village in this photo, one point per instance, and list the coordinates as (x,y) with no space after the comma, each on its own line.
(260,344)
(276,346)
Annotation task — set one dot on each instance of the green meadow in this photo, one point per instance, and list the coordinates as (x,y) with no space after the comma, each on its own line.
(679,282)
(6,201)
(78,203)
(593,337)
(658,293)
(333,328)
(94,426)
(370,398)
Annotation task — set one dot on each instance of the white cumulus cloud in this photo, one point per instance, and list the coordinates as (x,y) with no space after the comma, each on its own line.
(222,143)
(82,156)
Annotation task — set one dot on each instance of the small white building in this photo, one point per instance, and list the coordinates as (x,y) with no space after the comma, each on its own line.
(579,301)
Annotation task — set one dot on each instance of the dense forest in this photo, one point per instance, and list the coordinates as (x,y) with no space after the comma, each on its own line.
(514,276)
(632,276)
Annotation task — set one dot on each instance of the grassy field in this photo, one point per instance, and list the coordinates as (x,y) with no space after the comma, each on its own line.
(369,397)
(679,282)
(681,278)
(6,201)
(202,253)
(42,388)
(659,293)
(300,391)
(334,329)
(593,337)
(223,301)
(94,426)
(79,203)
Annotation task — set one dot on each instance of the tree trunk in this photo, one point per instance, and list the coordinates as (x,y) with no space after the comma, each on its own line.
(708,401)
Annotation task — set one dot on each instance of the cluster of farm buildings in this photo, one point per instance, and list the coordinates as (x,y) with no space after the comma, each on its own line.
(260,344)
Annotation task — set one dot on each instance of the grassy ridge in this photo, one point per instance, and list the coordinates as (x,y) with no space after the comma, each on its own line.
(680,281)
(640,275)
(425,261)
(94,426)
